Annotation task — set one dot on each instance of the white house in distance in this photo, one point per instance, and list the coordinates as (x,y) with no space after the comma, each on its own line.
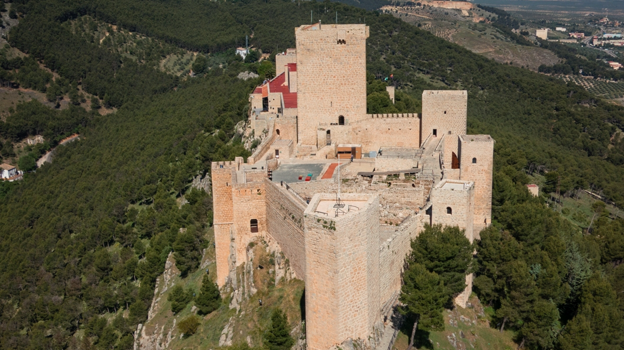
(561,29)
(9,172)
(241,51)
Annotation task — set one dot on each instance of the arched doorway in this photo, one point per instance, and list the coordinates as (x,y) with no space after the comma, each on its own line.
(341,120)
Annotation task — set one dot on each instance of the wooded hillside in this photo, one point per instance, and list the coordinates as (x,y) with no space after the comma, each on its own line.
(87,234)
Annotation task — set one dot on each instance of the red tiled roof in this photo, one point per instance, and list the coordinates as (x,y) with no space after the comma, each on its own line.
(531,185)
(279,85)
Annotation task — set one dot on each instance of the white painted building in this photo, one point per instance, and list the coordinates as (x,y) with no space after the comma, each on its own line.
(241,51)
(561,29)
(8,171)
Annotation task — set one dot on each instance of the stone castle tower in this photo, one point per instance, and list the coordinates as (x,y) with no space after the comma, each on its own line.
(331,73)
(402,171)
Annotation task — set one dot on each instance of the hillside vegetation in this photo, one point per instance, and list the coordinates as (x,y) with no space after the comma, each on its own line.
(89,234)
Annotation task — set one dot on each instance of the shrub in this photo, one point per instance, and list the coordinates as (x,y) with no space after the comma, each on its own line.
(189,325)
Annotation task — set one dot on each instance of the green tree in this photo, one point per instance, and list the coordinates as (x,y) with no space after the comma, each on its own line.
(95,103)
(447,252)
(179,298)
(278,336)
(189,325)
(27,163)
(424,296)
(209,298)
(187,247)
(252,56)
(200,65)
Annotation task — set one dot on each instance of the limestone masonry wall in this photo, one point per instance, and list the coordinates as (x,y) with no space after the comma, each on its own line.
(477,164)
(460,202)
(342,266)
(331,75)
(444,111)
(222,175)
(249,204)
(285,225)
(392,254)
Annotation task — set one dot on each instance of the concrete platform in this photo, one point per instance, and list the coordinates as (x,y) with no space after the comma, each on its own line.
(290,172)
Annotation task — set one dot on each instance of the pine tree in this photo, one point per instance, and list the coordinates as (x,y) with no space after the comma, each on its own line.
(278,336)
(209,298)
(447,252)
(179,298)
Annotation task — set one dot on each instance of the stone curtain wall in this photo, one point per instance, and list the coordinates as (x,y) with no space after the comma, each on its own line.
(480,147)
(261,150)
(285,224)
(392,254)
(282,60)
(331,74)
(223,174)
(444,111)
(287,127)
(375,131)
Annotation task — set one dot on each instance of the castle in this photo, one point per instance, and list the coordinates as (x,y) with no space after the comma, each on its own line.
(343,192)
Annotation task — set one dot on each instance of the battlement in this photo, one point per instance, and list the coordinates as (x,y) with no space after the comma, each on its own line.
(224,165)
(392,115)
(446,92)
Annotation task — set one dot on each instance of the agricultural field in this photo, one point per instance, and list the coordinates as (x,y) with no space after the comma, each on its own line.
(603,88)
(459,27)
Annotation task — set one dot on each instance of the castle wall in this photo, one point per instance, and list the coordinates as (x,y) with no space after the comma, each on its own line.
(222,174)
(281,60)
(331,74)
(445,111)
(461,202)
(263,148)
(249,202)
(285,225)
(375,131)
(342,266)
(392,254)
(391,164)
(480,147)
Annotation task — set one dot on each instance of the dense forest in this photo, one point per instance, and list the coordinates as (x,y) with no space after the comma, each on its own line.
(89,233)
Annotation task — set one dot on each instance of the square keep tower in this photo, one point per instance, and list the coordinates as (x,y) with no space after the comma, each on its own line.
(342,268)
(331,73)
(444,112)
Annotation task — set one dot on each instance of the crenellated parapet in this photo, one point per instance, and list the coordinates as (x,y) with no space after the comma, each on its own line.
(392,115)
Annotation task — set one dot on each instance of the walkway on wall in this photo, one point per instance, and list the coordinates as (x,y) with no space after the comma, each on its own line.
(430,160)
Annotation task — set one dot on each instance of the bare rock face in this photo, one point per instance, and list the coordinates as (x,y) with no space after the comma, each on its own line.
(202,183)
(247,75)
(158,338)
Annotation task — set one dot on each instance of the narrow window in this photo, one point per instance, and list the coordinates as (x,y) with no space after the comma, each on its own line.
(254,225)
(277,132)
(449,210)
(435,132)
(444,112)
(341,120)
(474,160)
